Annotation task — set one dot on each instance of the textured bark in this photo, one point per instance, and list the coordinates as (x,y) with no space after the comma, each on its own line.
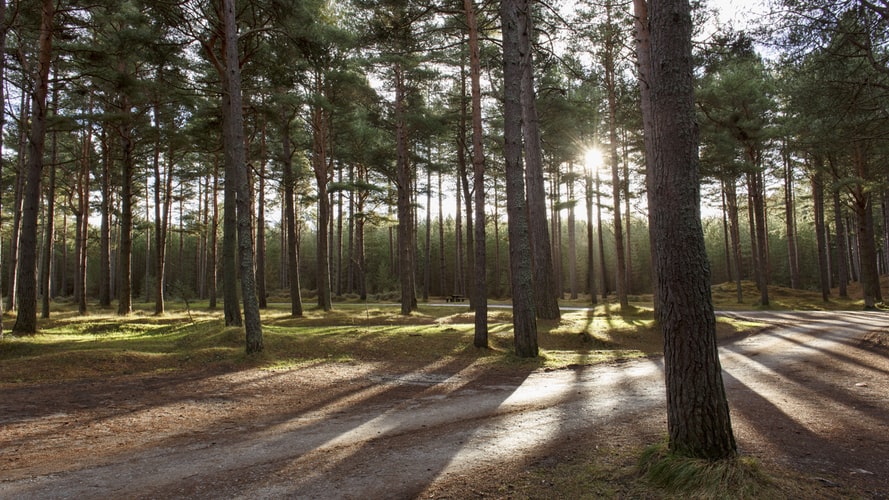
(214,237)
(545,287)
(644,69)
(523,313)
(480,291)
(697,411)
(234,131)
(26,319)
(405,207)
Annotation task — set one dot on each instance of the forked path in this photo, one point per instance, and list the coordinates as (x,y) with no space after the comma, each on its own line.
(811,393)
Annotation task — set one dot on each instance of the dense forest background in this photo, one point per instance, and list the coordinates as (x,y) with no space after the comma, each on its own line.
(349,105)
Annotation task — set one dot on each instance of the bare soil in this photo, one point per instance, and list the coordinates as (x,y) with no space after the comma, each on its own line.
(809,397)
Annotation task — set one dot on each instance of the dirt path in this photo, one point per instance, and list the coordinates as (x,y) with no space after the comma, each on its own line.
(812,394)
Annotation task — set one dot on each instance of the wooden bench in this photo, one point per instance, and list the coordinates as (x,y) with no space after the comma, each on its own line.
(455,298)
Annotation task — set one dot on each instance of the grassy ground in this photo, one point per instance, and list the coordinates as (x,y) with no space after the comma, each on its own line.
(102,344)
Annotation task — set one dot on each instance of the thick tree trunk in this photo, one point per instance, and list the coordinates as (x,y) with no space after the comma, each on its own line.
(697,411)
(522,284)
(234,130)
(545,291)
(867,258)
(125,262)
(26,319)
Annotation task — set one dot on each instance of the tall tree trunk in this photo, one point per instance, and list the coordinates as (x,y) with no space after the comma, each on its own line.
(545,291)
(26,319)
(296,305)
(214,237)
(818,208)
(644,71)
(790,222)
(611,87)
(4,28)
(480,292)
(322,178)
(603,269)
(842,251)
(522,284)
(105,226)
(260,226)
(762,245)
(590,261)
(404,183)
(234,130)
(49,224)
(697,411)
(442,263)
(863,205)
(163,198)
(731,195)
(20,176)
(427,249)
(125,262)
(572,236)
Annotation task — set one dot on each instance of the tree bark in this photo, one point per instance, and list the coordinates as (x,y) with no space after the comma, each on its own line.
(404,183)
(105,227)
(524,323)
(26,319)
(842,251)
(790,222)
(611,88)
(697,411)
(818,208)
(545,291)
(234,130)
(480,294)
(296,306)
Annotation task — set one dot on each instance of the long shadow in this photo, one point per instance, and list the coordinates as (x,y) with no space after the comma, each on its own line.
(853,341)
(776,435)
(291,439)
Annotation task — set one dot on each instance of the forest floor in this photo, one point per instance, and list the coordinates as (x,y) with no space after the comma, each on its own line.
(809,397)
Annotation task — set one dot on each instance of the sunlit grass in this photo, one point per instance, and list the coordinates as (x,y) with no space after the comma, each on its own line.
(103,343)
